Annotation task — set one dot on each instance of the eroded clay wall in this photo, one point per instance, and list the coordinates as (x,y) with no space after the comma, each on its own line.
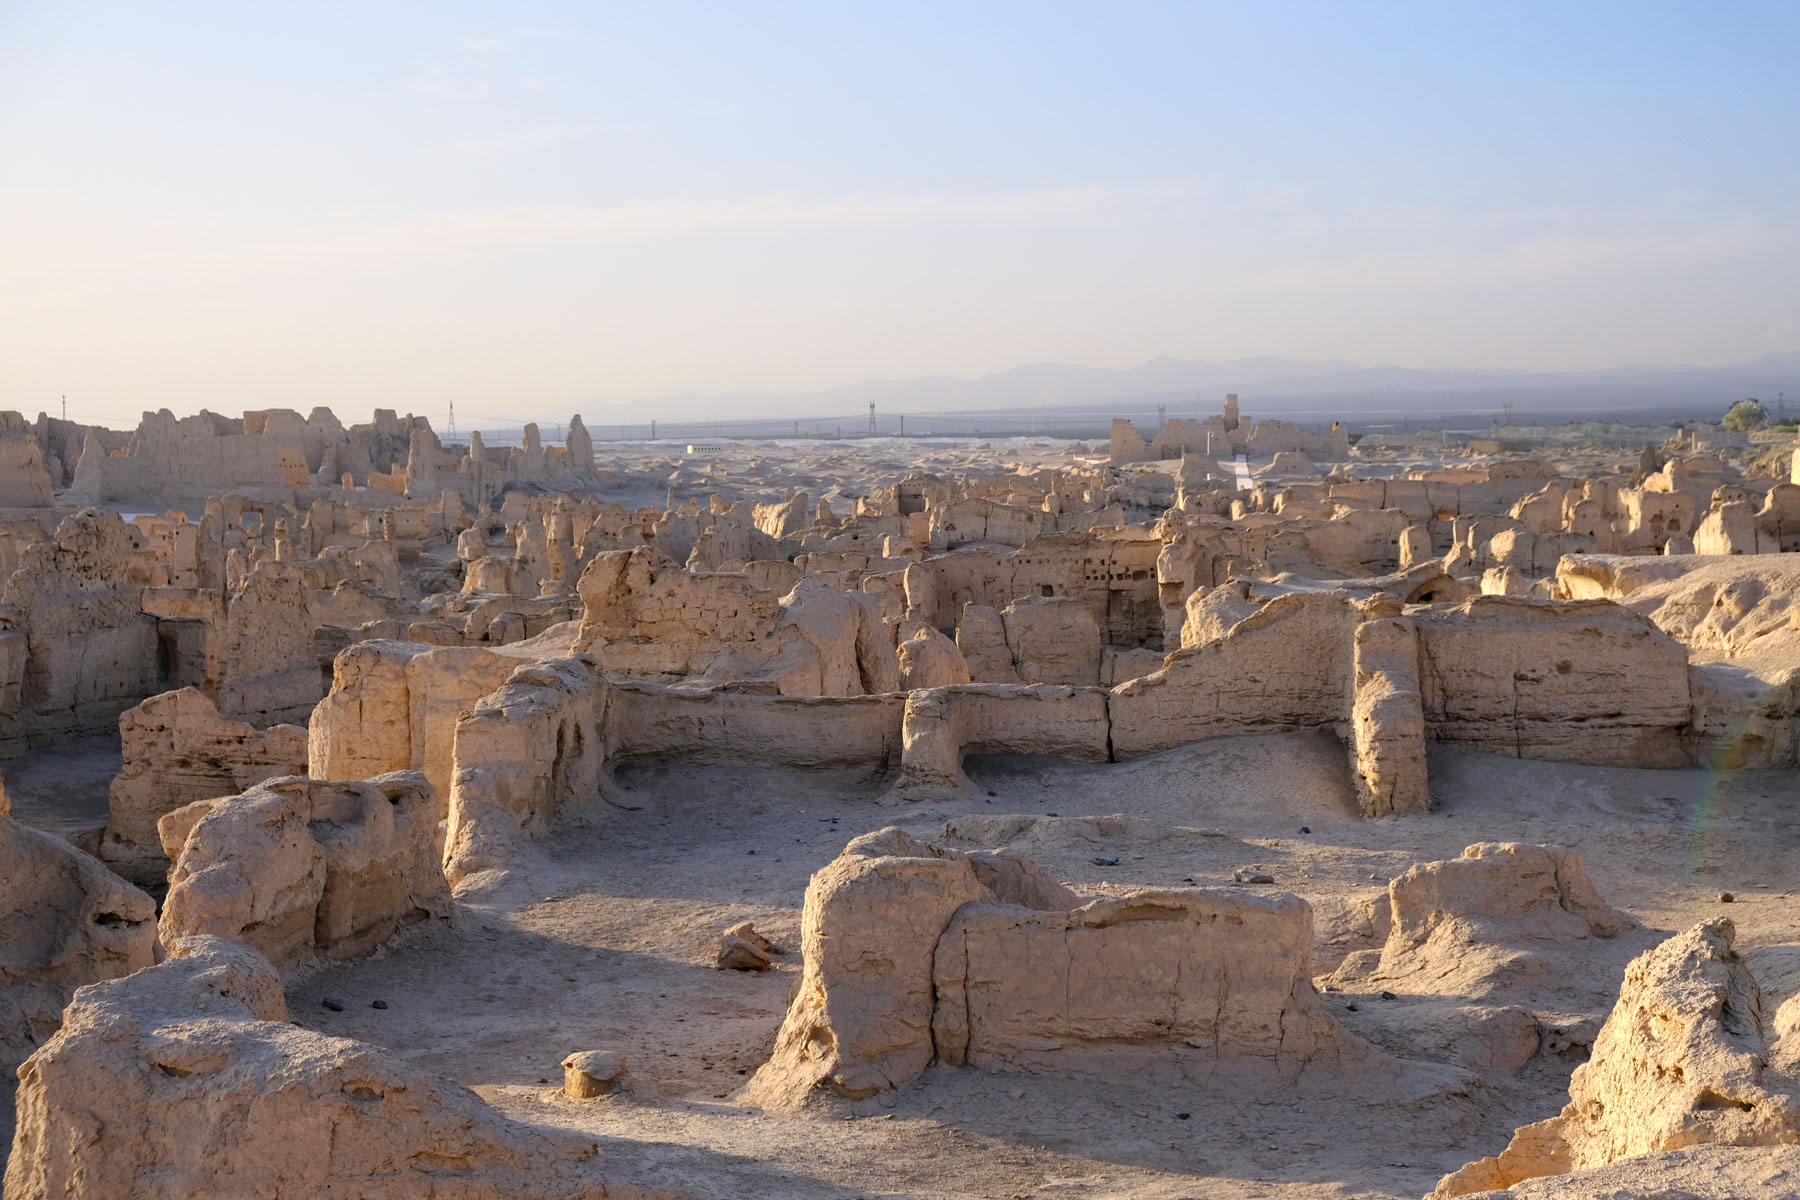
(1582,681)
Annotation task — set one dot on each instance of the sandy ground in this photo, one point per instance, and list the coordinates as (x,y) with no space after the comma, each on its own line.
(604,942)
(62,788)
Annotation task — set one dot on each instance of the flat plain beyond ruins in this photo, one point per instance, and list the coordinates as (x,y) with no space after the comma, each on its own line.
(1225,810)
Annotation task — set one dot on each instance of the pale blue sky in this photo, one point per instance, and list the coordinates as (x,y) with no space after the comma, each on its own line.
(530,207)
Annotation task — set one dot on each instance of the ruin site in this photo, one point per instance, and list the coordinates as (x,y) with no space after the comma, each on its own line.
(1226,810)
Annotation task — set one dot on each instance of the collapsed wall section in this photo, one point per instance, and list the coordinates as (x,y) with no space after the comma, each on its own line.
(187,1083)
(942,725)
(306,870)
(178,749)
(65,921)
(1287,666)
(915,952)
(1691,1055)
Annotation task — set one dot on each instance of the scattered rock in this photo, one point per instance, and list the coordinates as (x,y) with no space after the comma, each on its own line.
(591,1073)
(737,954)
(748,933)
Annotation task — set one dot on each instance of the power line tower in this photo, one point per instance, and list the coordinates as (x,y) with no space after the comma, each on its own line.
(871,418)
(1162,416)
(450,424)
(1506,412)
(65,408)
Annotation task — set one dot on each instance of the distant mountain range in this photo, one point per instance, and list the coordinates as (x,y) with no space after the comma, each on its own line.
(1051,397)
(1272,383)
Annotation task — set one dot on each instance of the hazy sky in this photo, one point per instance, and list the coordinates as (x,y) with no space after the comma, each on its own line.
(530,207)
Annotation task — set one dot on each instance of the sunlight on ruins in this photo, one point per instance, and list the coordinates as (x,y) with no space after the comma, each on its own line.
(899,602)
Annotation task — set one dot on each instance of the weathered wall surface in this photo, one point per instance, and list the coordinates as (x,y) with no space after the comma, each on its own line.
(1568,682)
(913,952)
(1387,719)
(270,669)
(523,754)
(1113,576)
(1287,667)
(200,455)
(1689,1056)
(393,706)
(77,649)
(651,723)
(1212,982)
(861,1021)
(306,870)
(65,921)
(644,615)
(178,749)
(942,725)
(24,480)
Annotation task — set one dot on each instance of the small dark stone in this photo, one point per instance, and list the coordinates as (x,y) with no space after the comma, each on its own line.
(1726,898)
(1183,1116)
(543,1081)
(992,793)
(1350,1008)
(1106,862)
(333,1005)
(378,1004)
(1049,814)
(1387,995)
(1305,829)
(749,852)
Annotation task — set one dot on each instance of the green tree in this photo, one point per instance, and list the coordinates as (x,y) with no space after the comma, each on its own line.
(1745,416)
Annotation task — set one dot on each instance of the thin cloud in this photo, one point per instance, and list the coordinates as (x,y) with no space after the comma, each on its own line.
(527,227)
(536,226)
(1531,260)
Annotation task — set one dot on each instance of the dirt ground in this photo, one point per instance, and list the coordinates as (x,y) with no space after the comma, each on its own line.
(604,941)
(62,789)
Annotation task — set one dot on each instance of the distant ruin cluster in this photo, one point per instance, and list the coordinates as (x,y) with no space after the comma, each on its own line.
(371,694)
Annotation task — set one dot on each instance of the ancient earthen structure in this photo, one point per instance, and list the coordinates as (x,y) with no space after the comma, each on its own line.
(350,767)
